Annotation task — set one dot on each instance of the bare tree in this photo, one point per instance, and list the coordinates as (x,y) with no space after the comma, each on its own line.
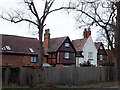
(117,42)
(39,18)
(102,14)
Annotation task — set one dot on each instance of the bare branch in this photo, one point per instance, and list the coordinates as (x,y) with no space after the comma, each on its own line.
(12,19)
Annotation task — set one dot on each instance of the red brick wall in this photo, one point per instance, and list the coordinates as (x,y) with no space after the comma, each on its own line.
(17,60)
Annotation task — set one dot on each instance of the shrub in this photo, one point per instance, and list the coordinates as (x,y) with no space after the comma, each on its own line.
(86,64)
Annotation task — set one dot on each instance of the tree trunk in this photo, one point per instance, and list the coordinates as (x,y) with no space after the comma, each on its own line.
(41,50)
(118,42)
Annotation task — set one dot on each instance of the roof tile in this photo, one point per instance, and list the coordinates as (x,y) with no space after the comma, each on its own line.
(79,44)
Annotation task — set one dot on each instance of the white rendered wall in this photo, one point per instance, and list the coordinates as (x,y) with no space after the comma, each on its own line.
(90,47)
(79,60)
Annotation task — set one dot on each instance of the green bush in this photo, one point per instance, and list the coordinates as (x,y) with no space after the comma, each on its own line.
(86,64)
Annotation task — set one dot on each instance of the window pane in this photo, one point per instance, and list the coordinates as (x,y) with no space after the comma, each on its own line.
(90,55)
(101,57)
(31,59)
(66,44)
(66,55)
(35,59)
(101,48)
(8,48)
(31,50)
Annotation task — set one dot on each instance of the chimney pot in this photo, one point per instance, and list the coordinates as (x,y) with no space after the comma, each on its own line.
(47,30)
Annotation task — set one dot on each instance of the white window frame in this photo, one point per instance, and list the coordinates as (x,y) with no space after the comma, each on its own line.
(66,55)
(90,55)
(101,57)
(67,45)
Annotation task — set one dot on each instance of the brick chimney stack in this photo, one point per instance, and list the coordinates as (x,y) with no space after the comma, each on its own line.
(87,33)
(46,38)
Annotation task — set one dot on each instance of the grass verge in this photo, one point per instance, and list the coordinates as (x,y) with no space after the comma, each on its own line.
(99,85)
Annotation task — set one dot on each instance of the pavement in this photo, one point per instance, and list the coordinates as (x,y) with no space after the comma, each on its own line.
(114,87)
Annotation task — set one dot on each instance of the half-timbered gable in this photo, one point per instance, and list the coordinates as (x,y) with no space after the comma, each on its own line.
(60,51)
(101,54)
(66,53)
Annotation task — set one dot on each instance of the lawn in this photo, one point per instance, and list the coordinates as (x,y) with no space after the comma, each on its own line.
(57,87)
(99,85)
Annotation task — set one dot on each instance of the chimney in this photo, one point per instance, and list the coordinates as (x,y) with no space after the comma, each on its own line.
(46,38)
(86,33)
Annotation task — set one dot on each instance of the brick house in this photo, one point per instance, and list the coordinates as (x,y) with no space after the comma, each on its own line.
(19,51)
(101,54)
(58,51)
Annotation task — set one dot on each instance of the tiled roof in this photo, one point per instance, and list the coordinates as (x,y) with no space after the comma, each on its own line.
(97,44)
(79,44)
(55,43)
(19,45)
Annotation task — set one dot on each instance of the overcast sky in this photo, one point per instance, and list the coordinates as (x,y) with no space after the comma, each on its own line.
(60,24)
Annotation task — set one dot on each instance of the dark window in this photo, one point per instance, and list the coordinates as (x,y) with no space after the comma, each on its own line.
(33,59)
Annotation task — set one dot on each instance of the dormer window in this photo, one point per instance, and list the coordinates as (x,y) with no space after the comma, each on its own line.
(8,48)
(67,45)
(3,48)
(31,50)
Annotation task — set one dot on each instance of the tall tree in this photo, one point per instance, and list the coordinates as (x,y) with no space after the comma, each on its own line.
(97,13)
(34,17)
(118,41)
(102,14)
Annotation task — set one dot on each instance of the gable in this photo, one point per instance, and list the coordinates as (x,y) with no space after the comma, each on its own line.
(79,44)
(103,49)
(55,43)
(67,45)
(89,44)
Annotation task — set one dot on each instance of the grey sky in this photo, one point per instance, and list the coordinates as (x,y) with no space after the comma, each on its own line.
(60,24)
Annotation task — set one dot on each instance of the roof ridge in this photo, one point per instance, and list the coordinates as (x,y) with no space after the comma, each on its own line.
(80,39)
(59,37)
(97,42)
(18,36)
